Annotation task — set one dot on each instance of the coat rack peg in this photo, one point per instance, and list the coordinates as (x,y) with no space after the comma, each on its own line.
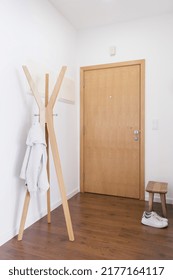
(37,115)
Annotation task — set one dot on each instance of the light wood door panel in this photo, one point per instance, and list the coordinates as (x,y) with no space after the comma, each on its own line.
(111,114)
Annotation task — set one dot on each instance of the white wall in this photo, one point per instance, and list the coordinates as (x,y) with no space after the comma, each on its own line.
(32,33)
(152,40)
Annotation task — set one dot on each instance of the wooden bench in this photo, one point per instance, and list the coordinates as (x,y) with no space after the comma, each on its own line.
(162,189)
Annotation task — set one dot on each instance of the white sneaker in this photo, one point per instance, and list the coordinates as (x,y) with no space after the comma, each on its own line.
(156,215)
(153,221)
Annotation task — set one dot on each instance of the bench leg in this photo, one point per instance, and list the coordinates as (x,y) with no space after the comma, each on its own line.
(163,201)
(151,197)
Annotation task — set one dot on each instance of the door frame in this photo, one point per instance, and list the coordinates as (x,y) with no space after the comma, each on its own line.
(141,63)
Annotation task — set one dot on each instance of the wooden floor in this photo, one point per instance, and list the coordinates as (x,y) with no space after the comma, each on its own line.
(105,227)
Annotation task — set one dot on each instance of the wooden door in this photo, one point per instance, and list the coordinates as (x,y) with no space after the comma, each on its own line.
(112,124)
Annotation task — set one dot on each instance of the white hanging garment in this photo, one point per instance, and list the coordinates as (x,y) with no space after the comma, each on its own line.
(33,169)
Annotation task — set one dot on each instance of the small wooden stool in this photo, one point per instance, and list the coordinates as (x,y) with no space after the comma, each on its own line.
(162,189)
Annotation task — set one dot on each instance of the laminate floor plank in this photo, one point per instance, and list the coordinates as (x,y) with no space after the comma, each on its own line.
(105,228)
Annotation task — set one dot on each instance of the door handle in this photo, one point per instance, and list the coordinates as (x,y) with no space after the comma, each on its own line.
(136,132)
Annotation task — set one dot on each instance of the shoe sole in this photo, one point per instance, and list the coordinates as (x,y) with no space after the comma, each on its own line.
(156,226)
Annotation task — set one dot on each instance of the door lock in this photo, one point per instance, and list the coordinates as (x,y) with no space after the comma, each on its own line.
(136,138)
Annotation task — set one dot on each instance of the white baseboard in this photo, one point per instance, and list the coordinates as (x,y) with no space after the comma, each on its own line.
(169,200)
(6,236)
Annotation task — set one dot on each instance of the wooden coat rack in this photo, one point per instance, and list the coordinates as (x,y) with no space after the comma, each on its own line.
(46,120)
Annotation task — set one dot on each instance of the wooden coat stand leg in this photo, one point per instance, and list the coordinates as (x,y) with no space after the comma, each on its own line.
(46,113)
(24,214)
(47,142)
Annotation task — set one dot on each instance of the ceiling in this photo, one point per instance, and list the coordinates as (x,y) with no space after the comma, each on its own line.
(93,13)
